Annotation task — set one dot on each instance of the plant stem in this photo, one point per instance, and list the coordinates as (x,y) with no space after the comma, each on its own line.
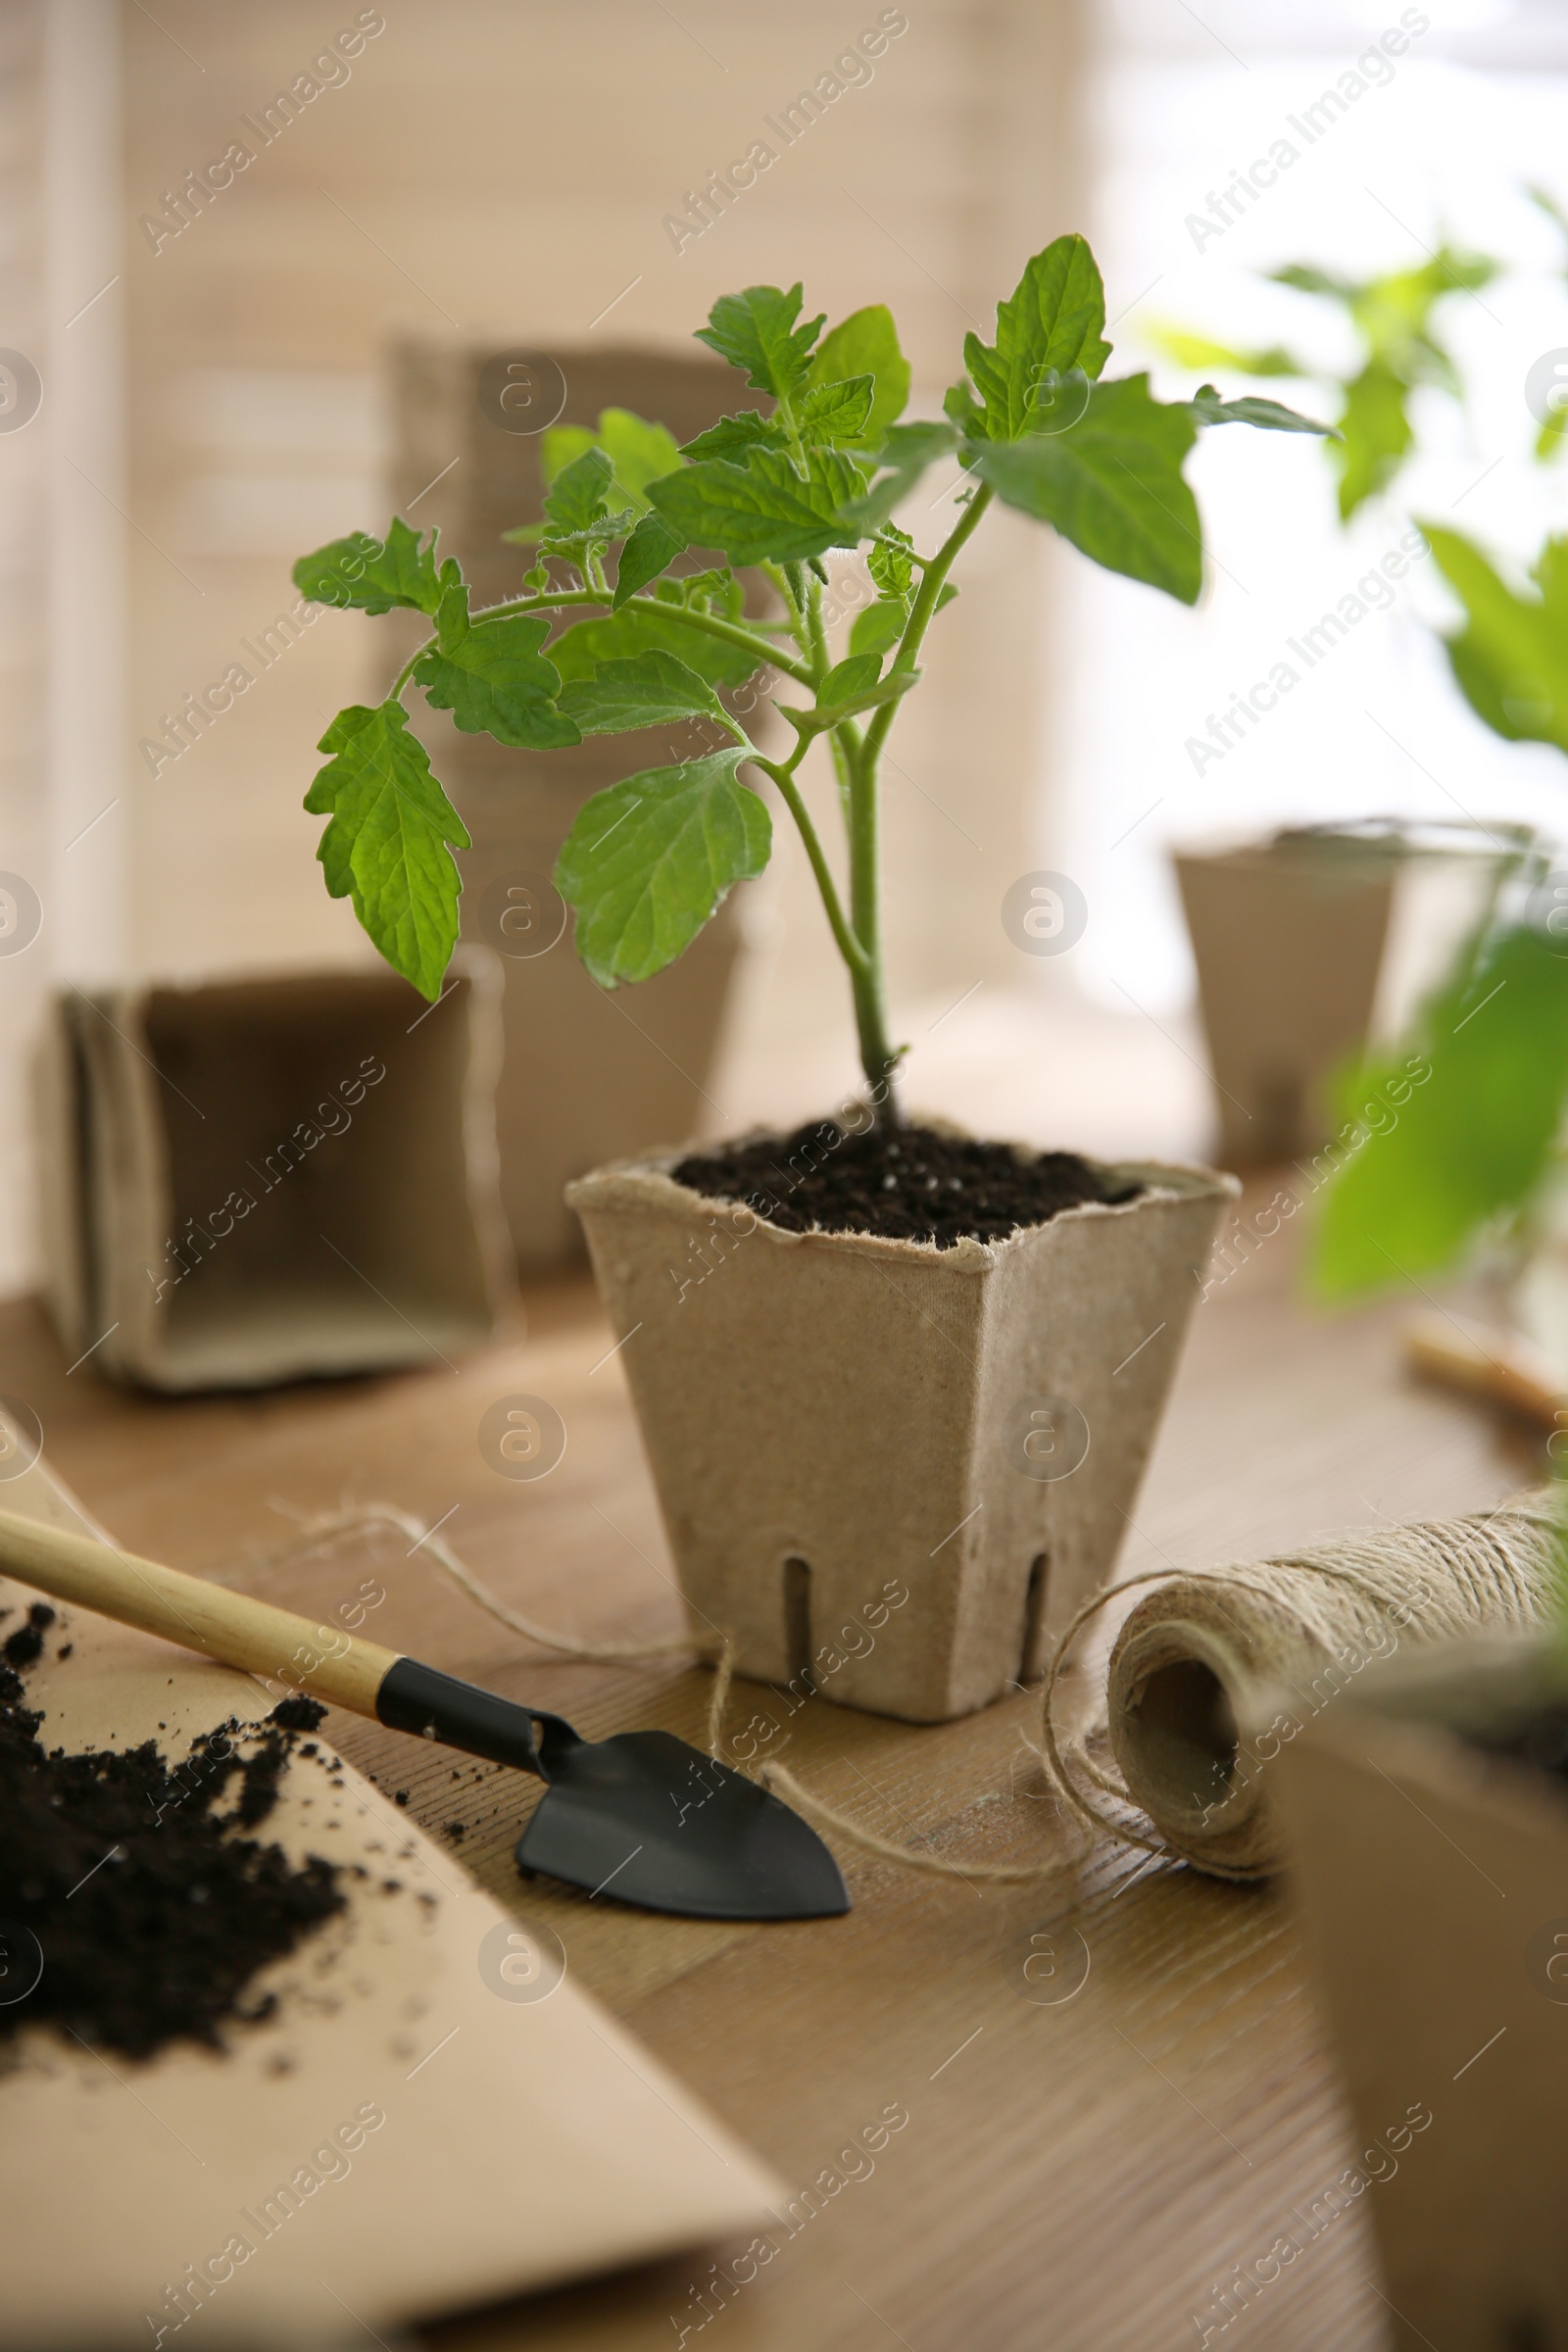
(849,947)
(856,758)
(709,623)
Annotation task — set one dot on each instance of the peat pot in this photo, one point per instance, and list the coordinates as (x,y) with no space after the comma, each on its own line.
(889,1470)
(1431,1877)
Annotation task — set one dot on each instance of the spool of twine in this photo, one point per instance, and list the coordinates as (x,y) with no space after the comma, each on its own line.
(1185,1672)
(1197,1652)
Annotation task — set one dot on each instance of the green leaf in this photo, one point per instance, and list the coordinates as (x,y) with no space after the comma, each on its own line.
(638,451)
(879,626)
(644,691)
(1200,353)
(848,679)
(648,625)
(906,453)
(735,437)
(1053,321)
(1511,659)
(866,343)
(1271,415)
(386,846)
(650,861)
(576,498)
(1375,433)
(851,687)
(652,549)
(891,561)
(492,677)
(756,333)
(1472,1142)
(1112,484)
(837,413)
(372,575)
(763,511)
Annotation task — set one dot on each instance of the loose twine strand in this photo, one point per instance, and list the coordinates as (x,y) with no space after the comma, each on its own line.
(1493,1574)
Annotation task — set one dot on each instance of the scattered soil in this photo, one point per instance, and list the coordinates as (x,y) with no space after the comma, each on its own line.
(153,1911)
(906,1184)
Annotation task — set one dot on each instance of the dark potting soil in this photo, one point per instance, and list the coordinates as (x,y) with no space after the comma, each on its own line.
(907,1184)
(152,1909)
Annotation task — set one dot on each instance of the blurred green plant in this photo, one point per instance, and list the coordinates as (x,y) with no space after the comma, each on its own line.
(1399,351)
(1472,1150)
(626,516)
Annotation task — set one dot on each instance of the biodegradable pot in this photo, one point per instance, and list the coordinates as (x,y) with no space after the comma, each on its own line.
(885,1467)
(1432,1877)
(268,1178)
(1308,944)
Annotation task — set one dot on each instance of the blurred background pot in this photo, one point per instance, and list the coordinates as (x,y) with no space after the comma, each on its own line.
(584,1077)
(1308,944)
(1430,1865)
(890,1470)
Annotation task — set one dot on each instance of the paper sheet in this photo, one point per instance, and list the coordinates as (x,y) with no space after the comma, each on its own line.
(415,2131)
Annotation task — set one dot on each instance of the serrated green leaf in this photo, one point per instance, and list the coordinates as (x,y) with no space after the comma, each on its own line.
(1375,435)
(561,445)
(763,511)
(1052,324)
(386,846)
(1510,660)
(1271,415)
(646,625)
(492,677)
(652,549)
(735,437)
(644,691)
(906,453)
(1470,1143)
(648,861)
(1112,484)
(575,502)
(890,562)
(879,626)
(837,413)
(371,575)
(756,331)
(866,343)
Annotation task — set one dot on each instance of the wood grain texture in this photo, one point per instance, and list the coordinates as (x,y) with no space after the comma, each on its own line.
(1081,2176)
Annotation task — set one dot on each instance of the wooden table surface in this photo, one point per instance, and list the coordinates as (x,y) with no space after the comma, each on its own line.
(1079,2177)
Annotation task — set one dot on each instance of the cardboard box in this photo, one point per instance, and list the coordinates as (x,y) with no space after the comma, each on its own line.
(253,1179)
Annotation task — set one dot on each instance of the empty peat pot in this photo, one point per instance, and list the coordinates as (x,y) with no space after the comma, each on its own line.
(890,1470)
(1426,1815)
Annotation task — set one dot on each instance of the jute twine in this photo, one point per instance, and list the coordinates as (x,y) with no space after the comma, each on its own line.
(1187,1671)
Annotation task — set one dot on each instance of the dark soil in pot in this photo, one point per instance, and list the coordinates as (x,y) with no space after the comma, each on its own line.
(906,1184)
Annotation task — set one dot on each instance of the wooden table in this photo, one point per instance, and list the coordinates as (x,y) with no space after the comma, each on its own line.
(1080,2176)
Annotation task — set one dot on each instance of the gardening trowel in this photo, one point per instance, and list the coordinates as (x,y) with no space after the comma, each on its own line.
(641,1817)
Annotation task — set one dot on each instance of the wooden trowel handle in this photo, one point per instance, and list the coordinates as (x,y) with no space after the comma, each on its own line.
(322,1660)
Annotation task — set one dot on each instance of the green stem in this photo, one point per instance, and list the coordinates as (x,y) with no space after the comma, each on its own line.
(849,947)
(878,1058)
